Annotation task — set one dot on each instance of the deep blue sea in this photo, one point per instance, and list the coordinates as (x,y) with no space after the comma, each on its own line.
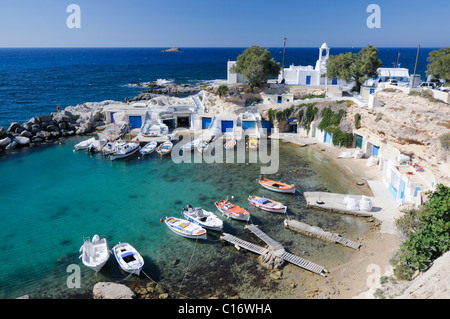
(52,197)
(34,81)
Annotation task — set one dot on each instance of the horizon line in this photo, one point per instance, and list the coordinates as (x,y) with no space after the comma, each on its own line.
(202,47)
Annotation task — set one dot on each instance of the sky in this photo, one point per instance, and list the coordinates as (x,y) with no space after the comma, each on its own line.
(223,23)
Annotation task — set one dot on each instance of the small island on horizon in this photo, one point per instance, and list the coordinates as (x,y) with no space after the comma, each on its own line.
(173,49)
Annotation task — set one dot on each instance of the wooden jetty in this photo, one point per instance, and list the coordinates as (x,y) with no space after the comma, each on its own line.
(275,250)
(335,203)
(317,232)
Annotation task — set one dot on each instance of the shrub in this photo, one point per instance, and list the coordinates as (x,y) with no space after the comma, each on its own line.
(357,120)
(445,141)
(432,237)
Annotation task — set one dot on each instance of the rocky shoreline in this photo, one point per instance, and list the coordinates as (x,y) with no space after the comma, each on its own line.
(74,120)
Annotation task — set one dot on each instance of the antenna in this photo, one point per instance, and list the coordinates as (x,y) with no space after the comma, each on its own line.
(415,67)
(282,67)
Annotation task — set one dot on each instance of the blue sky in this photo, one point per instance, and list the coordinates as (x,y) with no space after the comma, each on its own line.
(227,23)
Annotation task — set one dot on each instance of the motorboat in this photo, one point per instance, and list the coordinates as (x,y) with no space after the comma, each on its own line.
(124,150)
(96,146)
(165,148)
(149,148)
(185,228)
(128,258)
(95,253)
(84,144)
(230,144)
(275,186)
(267,204)
(203,218)
(109,147)
(203,147)
(191,145)
(230,210)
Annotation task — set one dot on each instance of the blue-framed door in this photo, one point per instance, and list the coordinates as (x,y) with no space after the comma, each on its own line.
(206,122)
(308,80)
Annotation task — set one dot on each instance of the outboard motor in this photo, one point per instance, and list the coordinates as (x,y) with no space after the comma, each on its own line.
(188,207)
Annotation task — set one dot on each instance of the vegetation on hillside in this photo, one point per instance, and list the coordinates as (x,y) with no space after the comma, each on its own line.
(428,232)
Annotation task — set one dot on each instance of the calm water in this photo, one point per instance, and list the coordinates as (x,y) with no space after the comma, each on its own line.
(52,198)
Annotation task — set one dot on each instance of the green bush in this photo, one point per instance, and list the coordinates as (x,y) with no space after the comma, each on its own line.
(357,120)
(445,141)
(430,236)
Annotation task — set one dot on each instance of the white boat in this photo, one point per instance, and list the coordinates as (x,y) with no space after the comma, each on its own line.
(84,144)
(191,145)
(202,218)
(148,148)
(109,147)
(267,204)
(185,228)
(95,253)
(96,146)
(165,148)
(124,150)
(203,147)
(128,258)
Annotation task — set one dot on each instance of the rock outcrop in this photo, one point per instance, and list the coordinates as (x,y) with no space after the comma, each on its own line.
(111,290)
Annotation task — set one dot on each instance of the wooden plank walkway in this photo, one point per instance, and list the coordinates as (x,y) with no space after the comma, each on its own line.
(303,263)
(318,232)
(263,236)
(279,252)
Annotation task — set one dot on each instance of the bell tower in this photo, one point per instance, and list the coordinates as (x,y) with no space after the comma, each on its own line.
(324,54)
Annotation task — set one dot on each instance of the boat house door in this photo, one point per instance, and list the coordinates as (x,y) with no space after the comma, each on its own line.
(308,80)
(227,126)
(206,122)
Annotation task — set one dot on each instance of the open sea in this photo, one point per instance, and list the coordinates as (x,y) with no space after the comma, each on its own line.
(52,197)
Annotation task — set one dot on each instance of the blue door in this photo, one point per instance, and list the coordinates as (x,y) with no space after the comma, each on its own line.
(327,137)
(112,117)
(375,150)
(267,125)
(334,81)
(135,121)
(308,79)
(206,122)
(402,189)
(227,126)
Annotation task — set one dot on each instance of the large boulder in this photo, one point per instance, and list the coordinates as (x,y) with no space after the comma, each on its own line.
(12,127)
(5,141)
(22,140)
(111,290)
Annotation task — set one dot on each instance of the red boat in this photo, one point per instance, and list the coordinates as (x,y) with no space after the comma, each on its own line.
(231,210)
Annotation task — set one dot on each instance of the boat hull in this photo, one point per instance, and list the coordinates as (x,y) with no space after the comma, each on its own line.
(201,224)
(244,216)
(134,268)
(274,208)
(170,223)
(278,189)
(118,156)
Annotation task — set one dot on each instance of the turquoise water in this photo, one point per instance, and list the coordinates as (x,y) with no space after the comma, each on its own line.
(52,198)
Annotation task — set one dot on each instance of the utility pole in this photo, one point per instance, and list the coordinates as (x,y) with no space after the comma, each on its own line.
(415,67)
(282,67)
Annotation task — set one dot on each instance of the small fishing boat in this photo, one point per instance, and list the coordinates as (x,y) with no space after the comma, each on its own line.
(84,144)
(231,210)
(202,218)
(95,253)
(191,145)
(275,186)
(203,147)
(109,147)
(165,148)
(96,146)
(128,258)
(149,148)
(267,204)
(124,150)
(185,228)
(252,143)
(230,144)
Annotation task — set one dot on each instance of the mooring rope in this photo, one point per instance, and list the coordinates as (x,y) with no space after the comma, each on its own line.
(190,259)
